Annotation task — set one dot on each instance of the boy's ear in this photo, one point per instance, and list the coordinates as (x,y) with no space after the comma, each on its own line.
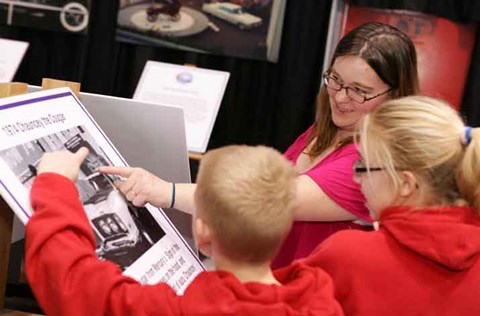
(203,238)
(409,184)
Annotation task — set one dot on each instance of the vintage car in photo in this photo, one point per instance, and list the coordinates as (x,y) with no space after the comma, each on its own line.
(232,13)
(114,228)
(170,8)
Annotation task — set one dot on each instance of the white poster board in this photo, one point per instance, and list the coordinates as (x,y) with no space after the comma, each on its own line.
(198,91)
(144,243)
(10,58)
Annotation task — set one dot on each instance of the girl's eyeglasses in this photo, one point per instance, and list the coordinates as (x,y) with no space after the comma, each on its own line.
(359,168)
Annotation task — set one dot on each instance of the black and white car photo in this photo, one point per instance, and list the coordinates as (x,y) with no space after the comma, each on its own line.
(122,231)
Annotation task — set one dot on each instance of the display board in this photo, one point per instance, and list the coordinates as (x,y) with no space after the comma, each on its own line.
(141,241)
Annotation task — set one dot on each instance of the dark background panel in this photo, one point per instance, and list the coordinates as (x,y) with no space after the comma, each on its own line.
(265,103)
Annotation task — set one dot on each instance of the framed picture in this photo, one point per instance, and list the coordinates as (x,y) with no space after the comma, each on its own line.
(242,28)
(56,15)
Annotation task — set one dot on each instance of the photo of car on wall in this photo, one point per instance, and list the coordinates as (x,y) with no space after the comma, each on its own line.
(122,231)
(232,13)
(242,28)
(57,15)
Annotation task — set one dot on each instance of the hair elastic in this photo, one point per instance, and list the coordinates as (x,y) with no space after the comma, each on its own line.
(467,135)
(172,199)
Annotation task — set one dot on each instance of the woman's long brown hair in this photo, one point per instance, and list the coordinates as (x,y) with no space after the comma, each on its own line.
(390,53)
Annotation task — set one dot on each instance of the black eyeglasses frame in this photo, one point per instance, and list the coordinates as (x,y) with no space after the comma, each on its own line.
(358,170)
(326,77)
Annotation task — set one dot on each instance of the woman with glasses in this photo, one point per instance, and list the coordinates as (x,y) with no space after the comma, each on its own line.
(371,64)
(419,172)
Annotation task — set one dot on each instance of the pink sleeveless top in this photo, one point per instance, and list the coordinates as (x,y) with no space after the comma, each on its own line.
(334,175)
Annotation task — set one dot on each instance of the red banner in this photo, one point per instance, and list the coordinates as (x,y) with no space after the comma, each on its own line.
(443,47)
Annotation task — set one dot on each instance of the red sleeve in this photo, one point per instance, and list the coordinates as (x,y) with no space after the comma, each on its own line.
(63,270)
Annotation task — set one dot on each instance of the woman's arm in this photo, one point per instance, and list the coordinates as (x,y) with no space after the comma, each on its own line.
(184,197)
(315,205)
(140,187)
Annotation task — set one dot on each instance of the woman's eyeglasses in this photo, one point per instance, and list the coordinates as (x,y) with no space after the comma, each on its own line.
(353,93)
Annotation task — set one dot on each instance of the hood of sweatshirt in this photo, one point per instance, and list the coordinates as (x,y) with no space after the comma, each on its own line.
(303,291)
(447,235)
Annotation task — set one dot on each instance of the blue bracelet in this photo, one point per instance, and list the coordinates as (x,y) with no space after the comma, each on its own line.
(172,199)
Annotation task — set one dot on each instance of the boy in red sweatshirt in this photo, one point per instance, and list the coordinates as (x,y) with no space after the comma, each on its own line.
(245,200)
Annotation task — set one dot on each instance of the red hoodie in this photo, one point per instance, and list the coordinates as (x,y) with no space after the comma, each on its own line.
(68,279)
(420,262)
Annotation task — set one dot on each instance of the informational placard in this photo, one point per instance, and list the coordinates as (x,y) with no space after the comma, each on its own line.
(141,241)
(10,58)
(198,91)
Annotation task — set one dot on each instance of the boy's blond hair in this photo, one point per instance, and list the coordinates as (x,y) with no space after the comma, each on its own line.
(247,197)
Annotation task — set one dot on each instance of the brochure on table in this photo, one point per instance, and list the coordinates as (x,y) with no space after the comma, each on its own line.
(141,241)
(11,57)
(198,91)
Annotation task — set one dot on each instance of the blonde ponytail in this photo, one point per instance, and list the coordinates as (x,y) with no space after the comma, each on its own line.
(468,172)
(428,137)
